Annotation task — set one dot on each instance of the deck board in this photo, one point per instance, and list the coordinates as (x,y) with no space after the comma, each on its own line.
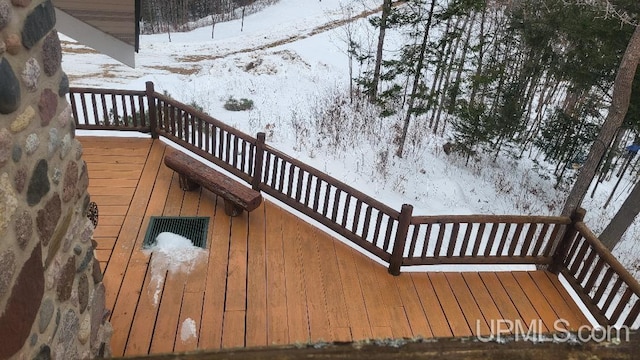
(257,280)
(270,278)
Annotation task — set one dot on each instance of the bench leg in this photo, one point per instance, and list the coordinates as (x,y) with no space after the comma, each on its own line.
(231,209)
(187,184)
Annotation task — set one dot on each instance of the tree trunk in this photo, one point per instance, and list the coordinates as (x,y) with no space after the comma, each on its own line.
(612,234)
(386,9)
(416,80)
(617,112)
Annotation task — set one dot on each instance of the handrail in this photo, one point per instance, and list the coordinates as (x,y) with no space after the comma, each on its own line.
(353,214)
(566,244)
(205,136)
(471,239)
(602,282)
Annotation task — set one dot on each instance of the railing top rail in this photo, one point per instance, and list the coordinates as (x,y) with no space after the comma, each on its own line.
(79,90)
(207,118)
(512,219)
(608,257)
(395,214)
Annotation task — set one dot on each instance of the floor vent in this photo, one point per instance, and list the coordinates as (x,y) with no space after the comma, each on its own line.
(193,228)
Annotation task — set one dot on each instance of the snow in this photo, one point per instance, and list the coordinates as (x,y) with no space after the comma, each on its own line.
(171,254)
(188,330)
(292,68)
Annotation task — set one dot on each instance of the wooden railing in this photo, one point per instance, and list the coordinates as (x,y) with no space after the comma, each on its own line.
(205,136)
(100,109)
(610,292)
(488,239)
(396,237)
(345,210)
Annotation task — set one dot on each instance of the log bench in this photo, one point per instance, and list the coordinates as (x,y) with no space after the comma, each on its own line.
(194,173)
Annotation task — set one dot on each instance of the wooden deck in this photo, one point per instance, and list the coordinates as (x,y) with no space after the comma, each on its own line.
(270,278)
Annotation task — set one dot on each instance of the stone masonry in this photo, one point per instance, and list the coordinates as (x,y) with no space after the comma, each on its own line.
(51,299)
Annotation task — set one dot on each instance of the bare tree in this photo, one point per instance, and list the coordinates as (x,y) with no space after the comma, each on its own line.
(617,111)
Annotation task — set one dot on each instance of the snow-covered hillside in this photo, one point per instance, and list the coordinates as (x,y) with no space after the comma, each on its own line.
(290,60)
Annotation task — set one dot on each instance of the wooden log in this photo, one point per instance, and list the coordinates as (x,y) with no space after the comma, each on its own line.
(237,196)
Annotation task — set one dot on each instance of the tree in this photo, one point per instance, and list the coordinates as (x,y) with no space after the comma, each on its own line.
(386,10)
(617,111)
(416,80)
(613,233)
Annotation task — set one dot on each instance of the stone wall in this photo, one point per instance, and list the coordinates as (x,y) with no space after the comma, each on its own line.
(51,291)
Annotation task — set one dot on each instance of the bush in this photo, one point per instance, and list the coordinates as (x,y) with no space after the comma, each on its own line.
(243,104)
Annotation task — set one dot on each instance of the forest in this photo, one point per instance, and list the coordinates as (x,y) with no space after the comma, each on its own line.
(178,15)
(527,78)
(515,78)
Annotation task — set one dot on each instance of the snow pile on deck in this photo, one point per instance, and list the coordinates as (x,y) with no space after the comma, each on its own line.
(172,253)
(188,330)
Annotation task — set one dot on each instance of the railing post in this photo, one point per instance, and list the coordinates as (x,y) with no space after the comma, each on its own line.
(153,114)
(257,166)
(401,238)
(562,249)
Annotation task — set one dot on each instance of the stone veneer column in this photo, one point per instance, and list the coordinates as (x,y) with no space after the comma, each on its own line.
(51,291)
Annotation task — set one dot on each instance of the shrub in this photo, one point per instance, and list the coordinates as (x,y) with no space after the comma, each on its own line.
(243,104)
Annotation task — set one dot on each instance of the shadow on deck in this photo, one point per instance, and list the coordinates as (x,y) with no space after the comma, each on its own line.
(270,278)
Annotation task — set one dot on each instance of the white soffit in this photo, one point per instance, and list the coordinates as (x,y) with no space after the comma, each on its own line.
(96,39)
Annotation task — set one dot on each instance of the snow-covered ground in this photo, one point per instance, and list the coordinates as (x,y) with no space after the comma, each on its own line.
(290,60)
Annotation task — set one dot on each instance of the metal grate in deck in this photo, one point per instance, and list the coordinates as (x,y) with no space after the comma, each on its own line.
(192,228)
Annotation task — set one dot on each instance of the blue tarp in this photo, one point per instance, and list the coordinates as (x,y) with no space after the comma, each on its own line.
(633,148)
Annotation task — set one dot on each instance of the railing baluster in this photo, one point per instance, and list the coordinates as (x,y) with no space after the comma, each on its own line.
(427,237)
(134,116)
(74,109)
(540,239)
(441,230)
(414,240)
(220,151)
(283,168)
(633,314)
(376,232)
(573,269)
(367,223)
(228,147)
(243,157)
(325,206)
(316,196)
(479,240)
(387,235)
(453,240)
(597,270)
(105,112)
(345,214)
(621,305)
(290,177)
(299,185)
(587,265)
(125,117)
(515,240)
(612,295)
(236,150)
(356,217)
(492,236)
(94,106)
(336,204)
(503,239)
(83,101)
(114,109)
(602,287)
(465,241)
(267,166)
